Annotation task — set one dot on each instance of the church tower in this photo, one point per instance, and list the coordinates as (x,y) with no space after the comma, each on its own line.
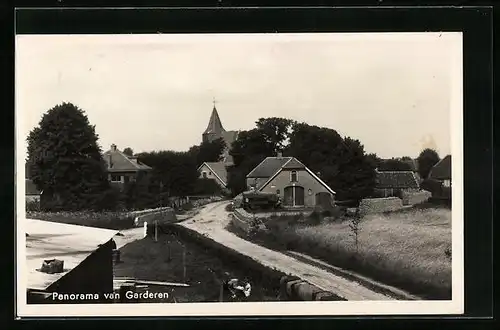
(214,129)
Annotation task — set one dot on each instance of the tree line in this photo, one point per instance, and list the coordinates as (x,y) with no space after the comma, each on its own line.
(66,162)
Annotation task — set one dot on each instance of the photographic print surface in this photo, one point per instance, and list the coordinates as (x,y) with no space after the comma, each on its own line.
(239,174)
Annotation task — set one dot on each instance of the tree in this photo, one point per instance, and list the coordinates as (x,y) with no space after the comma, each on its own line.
(66,162)
(394,165)
(342,162)
(275,131)
(208,151)
(426,160)
(175,172)
(128,151)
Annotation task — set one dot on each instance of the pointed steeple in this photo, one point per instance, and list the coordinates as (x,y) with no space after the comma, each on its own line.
(214,125)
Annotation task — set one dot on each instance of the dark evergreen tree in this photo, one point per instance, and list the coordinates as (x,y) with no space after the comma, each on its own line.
(66,162)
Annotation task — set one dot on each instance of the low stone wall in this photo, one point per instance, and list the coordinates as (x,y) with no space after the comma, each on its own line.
(241,223)
(412,198)
(293,288)
(267,215)
(380,205)
(165,215)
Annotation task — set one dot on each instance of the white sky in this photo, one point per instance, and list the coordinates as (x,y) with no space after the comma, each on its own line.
(154,92)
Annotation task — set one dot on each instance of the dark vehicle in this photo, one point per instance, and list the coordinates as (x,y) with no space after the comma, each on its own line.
(256,200)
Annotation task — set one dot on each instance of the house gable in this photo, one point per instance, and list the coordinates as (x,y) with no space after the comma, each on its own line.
(291,165)
(268,167)
(218,170)
(442,169)
(117,161)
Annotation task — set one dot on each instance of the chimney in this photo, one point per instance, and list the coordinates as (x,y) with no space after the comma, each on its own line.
(113,147)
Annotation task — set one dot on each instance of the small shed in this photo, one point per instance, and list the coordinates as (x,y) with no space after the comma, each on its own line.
(87,263)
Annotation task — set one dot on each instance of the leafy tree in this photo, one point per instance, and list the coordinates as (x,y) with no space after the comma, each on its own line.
(341,162)
(275,131)
(208,151)
(426,160)
(394,165)
(128,151)
(174,173)
(65,161)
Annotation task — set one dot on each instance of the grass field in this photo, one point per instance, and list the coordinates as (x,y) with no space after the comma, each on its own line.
(149,260)
(407,249)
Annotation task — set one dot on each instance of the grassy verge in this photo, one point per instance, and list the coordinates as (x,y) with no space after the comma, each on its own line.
(407,249)
(163,261)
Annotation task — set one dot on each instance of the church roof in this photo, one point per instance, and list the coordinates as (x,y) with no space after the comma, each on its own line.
(214,125)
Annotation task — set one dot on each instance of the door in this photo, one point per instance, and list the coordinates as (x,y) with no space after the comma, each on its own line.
(288,196)
(293,196)
(299,196)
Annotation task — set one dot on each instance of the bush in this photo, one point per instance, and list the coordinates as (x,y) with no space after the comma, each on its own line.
(314,218)
(229,207)
(32,206)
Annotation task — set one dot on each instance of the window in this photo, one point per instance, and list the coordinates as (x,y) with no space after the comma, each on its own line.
(116,178)
(447,183)
(277,191)
(209,173)
(204,175)
(293,176)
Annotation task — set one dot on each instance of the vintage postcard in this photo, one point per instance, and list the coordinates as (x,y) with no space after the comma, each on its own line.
(239,174)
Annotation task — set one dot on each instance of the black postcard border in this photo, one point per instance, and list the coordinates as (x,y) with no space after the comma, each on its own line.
(474,22)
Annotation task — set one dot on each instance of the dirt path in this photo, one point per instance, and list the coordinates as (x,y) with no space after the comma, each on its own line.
(212,221)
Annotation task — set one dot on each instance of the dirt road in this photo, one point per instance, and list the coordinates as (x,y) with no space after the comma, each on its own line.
(212,221)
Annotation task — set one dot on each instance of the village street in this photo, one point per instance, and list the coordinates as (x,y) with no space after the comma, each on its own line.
(212,220)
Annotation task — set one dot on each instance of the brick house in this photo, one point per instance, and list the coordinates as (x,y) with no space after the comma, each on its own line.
(296,185)
(123,168)
(393,183)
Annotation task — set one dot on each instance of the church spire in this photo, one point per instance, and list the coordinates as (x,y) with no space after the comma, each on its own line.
(214,125)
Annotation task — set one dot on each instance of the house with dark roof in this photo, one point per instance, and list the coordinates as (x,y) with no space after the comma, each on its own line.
(441,173)
(216,171)
(296,185)
(123,168)
(393,183)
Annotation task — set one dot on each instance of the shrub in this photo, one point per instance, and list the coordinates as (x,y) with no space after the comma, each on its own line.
(229,207)
(32,206)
